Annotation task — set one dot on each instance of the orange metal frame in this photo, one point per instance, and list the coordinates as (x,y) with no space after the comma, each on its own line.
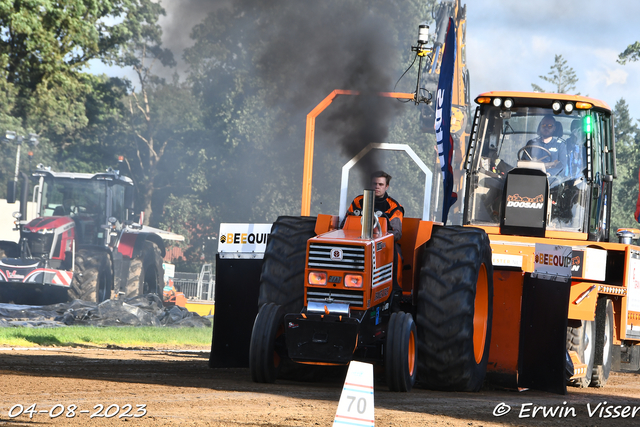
(310,137)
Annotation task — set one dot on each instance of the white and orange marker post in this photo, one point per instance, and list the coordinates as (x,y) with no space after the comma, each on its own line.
(355,408)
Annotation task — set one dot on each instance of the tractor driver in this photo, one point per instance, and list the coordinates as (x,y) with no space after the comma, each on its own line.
(550,149)
(66,208)
(383,205)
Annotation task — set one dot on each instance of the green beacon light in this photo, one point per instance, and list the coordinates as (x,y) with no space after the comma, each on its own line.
(587,124)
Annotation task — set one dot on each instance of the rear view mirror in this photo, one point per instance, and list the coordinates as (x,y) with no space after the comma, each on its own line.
(12,192)
(128,197)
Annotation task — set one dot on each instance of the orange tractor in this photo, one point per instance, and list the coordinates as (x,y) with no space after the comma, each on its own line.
(529,292)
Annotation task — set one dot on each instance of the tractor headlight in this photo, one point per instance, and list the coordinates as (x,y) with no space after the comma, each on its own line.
(568,108)
(353,281)
(318,278)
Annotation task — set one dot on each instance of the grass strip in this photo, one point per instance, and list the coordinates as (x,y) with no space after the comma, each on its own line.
(120,336)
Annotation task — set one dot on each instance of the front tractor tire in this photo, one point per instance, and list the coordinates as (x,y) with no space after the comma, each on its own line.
(581,339)
(282,279)
(92,276)
(454,312)
(146,275)
(401,364)
(266,343)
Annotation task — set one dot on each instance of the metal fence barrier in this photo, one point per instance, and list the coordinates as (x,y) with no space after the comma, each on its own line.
(196,286)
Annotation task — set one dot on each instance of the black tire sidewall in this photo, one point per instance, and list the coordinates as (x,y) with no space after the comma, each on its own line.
(151,266)
(91,263)
(609,358)
(263,343)
(392,334)
(580,347)
(282,278)
(602,362)
(104,279)
(401,325)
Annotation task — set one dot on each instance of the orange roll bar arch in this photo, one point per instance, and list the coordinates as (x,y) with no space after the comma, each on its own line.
(310,136)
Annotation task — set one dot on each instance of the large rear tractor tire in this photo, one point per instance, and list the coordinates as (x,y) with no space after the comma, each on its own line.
(282,279)
(146,275)
(92,276)
(401,364)
(603,343)
(454,312)
(581,339)
(266,343)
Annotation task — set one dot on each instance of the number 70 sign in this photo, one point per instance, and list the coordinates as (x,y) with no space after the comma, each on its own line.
(355,407)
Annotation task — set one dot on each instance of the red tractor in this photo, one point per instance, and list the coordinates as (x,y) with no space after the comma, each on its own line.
(81,245)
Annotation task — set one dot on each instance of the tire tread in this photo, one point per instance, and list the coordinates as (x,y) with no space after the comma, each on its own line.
(446,298)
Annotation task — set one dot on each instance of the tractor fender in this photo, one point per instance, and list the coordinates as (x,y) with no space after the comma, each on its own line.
(131,244)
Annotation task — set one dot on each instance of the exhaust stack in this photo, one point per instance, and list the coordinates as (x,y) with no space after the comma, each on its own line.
(367,214)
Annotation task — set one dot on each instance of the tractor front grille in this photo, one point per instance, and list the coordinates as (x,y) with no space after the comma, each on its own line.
(323,295)
(344,257)
(39,244)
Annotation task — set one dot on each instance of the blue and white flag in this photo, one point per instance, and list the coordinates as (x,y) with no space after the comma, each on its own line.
(443,119)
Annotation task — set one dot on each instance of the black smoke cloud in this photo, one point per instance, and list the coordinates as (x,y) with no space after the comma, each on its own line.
(301,51)
(312,48)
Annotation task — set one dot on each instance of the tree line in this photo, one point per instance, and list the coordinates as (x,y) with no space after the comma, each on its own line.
(224,141)
(563,79)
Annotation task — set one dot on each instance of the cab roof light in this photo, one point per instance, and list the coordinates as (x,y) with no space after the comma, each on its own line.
(483,100)
(556,106)
(508,103)
(583,105)
(497,102)
(568,108)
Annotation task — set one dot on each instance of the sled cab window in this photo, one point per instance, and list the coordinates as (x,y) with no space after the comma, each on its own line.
(529,137)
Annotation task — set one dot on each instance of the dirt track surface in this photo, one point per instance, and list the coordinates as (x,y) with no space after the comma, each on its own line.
(179,389)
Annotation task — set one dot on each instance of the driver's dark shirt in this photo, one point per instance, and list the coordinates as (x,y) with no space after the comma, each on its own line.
(384,204)
(557,149)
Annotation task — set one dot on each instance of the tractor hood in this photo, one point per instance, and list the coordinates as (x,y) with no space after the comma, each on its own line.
(48,224)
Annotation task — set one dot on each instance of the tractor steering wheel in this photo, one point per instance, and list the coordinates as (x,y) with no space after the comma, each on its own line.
(528,151)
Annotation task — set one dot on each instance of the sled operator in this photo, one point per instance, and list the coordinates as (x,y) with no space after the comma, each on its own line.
(551,147)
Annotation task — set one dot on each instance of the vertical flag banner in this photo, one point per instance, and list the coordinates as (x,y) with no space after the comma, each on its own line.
(443,119)
(637,213)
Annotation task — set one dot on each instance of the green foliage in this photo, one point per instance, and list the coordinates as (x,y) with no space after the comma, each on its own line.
(625,187)
(562,77)
(155,120)
(630,54)
(187,216)
(45,46)
(256,84)
(161,138)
